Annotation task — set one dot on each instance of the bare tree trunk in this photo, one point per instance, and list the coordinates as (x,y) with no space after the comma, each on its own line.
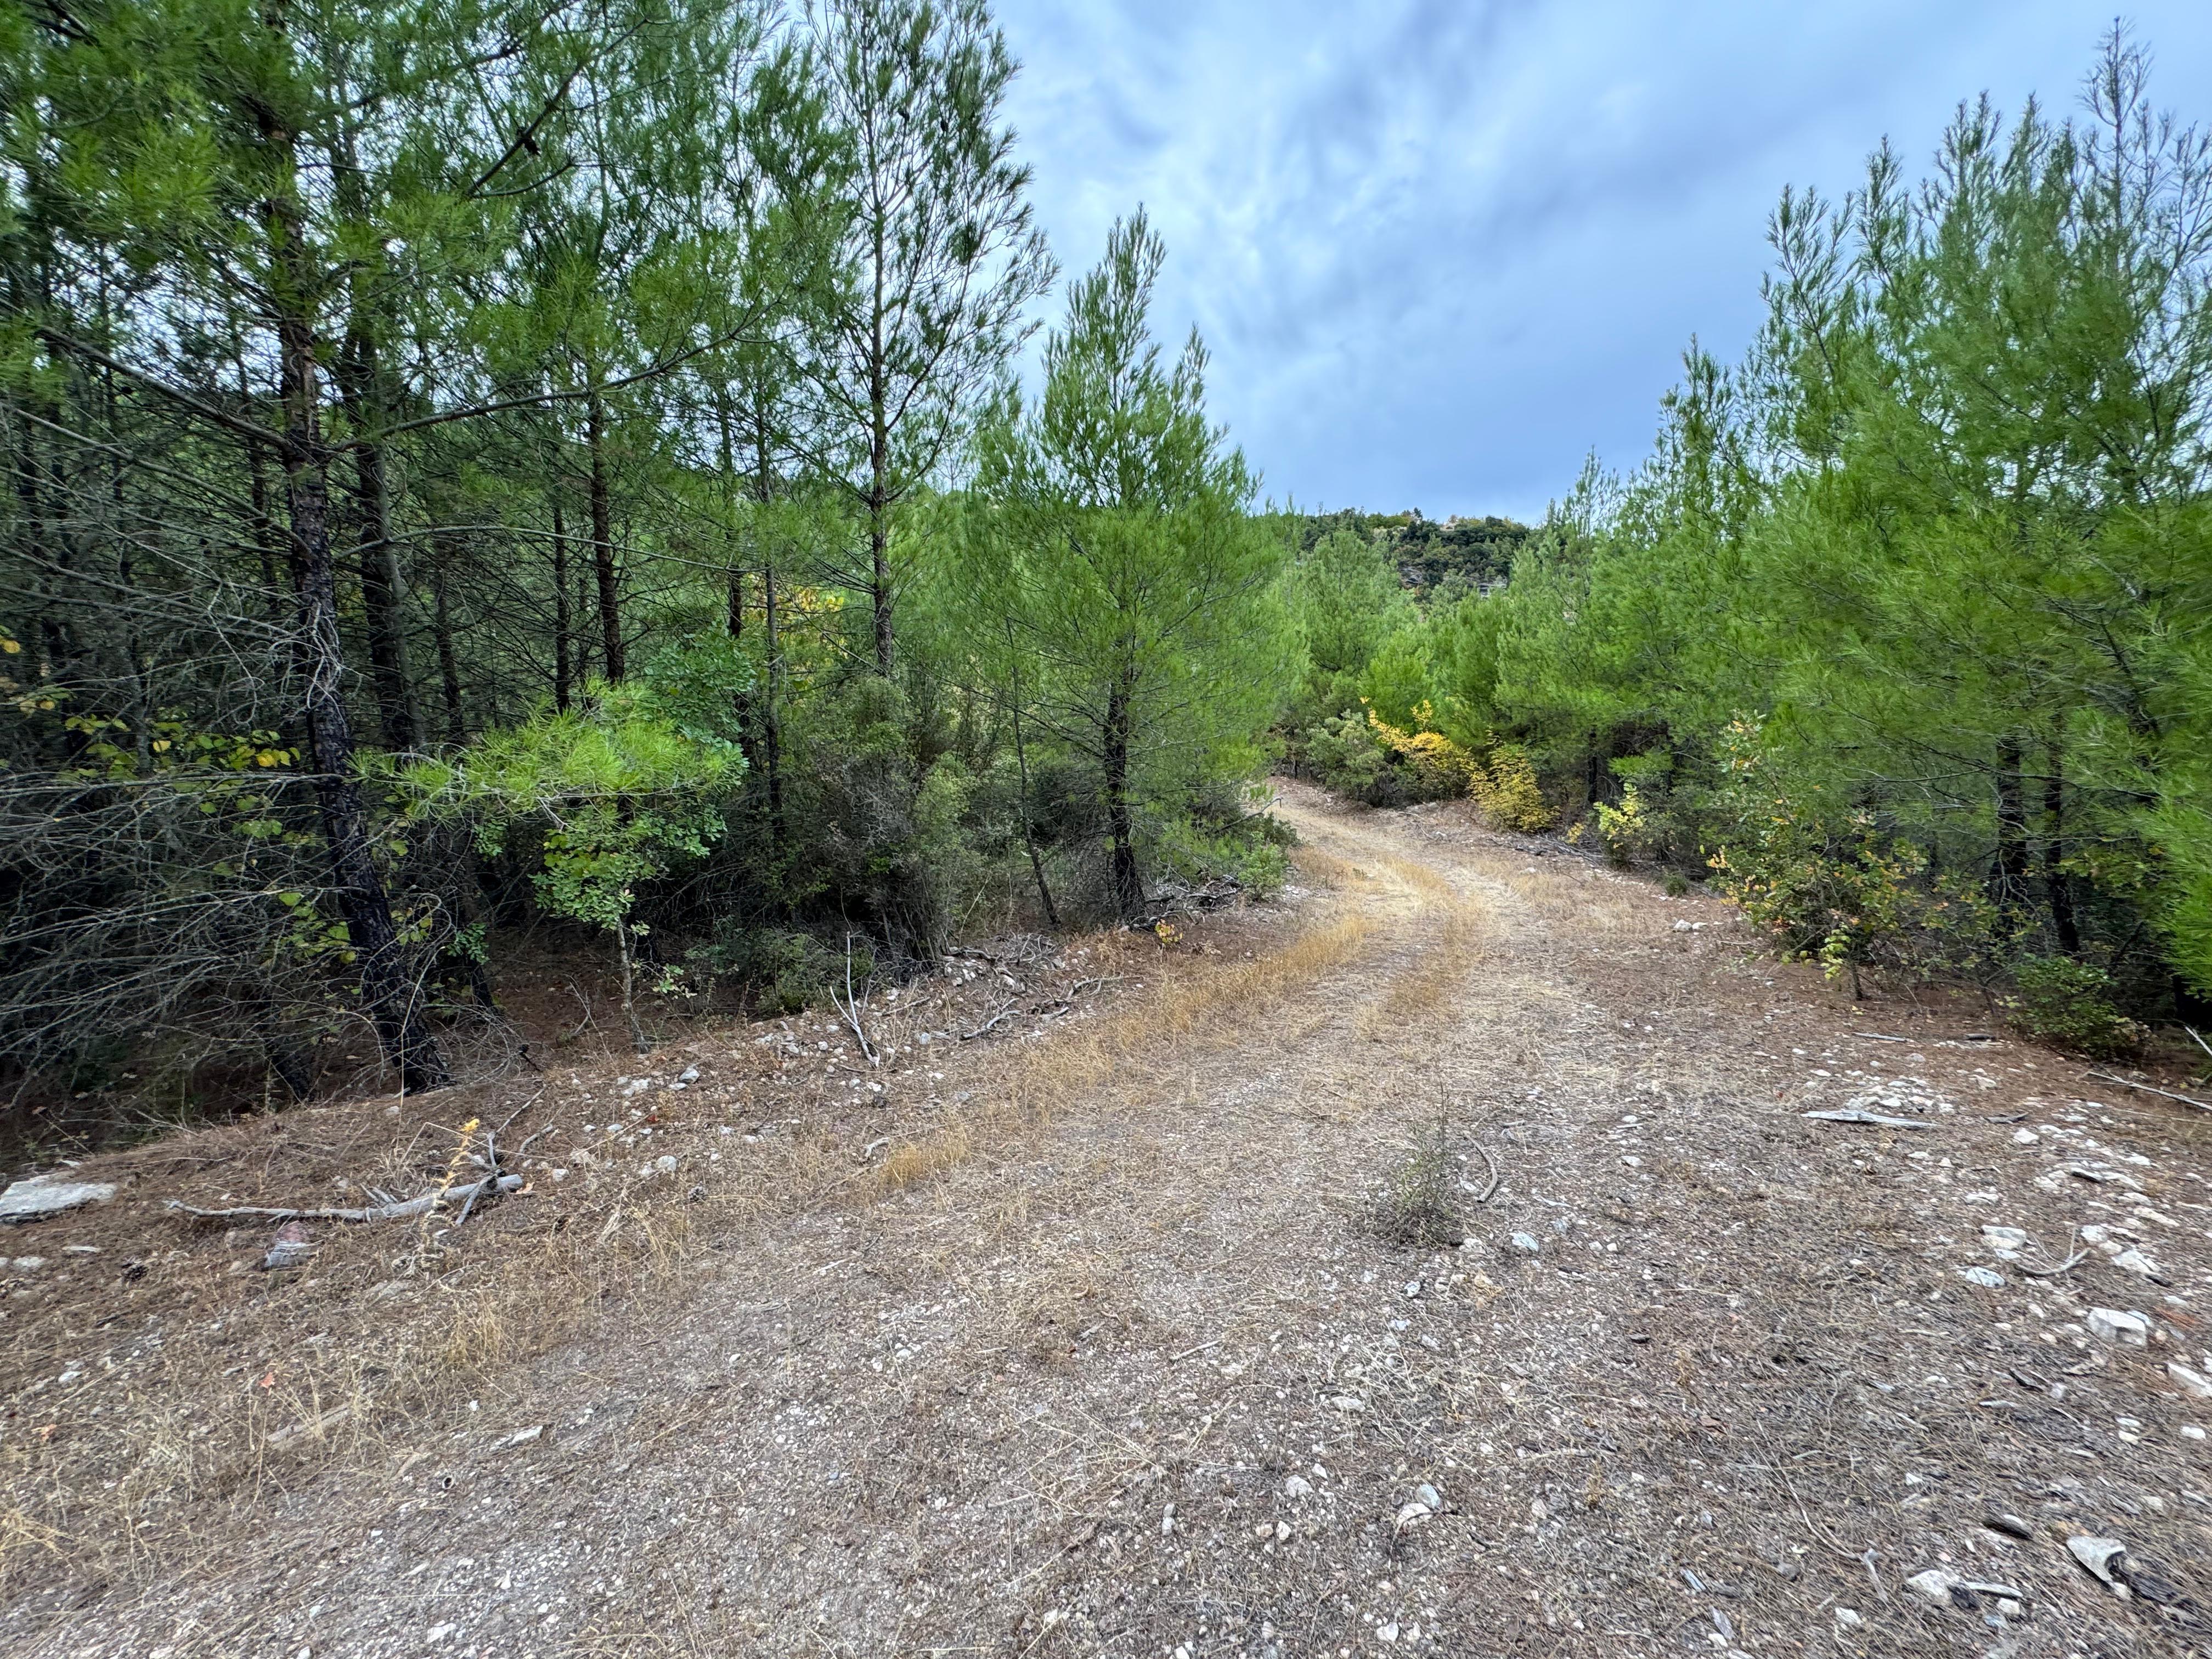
(561,622)
(2009,878)
(2056,885)
(449,672)
(382,585)
(1128,889)
(603,545)
(387,988)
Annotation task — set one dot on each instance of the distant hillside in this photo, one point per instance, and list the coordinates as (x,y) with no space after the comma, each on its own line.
(1429,552)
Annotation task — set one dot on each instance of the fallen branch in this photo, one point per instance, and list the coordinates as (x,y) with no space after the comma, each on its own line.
(969,1037)
(2106,1076)
(1074,991)
(2067,1266)
(2198,1040)
(1852,1115)
(850,1007)
(1483,1197)
(397,1212)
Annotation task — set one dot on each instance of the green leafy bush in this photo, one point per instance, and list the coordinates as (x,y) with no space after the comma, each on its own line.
(2069,1005)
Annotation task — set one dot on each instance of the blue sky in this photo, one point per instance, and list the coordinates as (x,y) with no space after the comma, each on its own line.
(1440,250)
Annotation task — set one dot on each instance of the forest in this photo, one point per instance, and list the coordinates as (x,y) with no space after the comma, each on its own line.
(487,479)
(489,465)
(1902,634)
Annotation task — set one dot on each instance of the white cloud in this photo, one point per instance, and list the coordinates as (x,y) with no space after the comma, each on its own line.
(1442,248)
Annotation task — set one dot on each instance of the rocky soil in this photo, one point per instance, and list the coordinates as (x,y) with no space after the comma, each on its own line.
(1097,1332)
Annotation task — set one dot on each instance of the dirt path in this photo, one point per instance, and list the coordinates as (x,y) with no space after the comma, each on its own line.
(1128,1371)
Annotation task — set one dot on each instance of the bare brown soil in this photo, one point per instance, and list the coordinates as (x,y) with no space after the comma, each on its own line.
(1082,1337)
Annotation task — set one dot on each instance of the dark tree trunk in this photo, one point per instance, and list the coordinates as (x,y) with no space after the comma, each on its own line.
(2008,875)
(387,988)
(1128,889)
(563,624)
(2058,886)
(603,545)
(449,671)
(382,585)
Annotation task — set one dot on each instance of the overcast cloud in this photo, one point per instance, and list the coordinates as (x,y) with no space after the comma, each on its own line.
(1441,249)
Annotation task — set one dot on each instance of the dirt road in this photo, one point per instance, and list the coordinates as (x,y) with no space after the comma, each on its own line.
(1125,1365)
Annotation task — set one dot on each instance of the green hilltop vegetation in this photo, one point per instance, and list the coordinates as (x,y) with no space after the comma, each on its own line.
(481,472)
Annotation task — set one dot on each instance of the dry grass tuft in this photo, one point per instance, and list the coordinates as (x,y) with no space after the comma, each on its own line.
(917,1160)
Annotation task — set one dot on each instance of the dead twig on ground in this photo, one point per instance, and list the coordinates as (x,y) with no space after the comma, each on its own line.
(2106,1076)
(1483,1196)
(2067,1266)
(1009,1008)
(400,1211)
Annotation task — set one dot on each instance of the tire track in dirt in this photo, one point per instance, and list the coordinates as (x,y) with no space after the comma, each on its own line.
(1127,1372)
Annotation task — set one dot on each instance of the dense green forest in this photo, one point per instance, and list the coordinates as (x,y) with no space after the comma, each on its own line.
(477,465)
(1903,633)
(479,469)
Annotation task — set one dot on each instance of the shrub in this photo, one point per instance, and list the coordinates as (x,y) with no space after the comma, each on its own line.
(1508,795)
(2069,1005)
(1831,886)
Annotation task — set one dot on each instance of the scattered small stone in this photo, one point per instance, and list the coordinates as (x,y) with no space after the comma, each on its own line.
(2194,1383)
(2098,1554)
(2114,1325)
(290,1248)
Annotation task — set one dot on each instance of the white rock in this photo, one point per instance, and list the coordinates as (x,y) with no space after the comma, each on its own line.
(689,1074)
(47,1195)
(1349,1402)
(2001,1239)
(1934,1585)
(2024,1137)
(1987,1278)
(1413,1287)
(665,1163)
(2115,1326)
(1527,1242)
(1297,1487)
(1389,1632)
(1411,1515)
(2193,1383)
(2136,1262)
(29,1264)
(2098,1554)
(1429,1495)
(2191,1431)
(1848,1618)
